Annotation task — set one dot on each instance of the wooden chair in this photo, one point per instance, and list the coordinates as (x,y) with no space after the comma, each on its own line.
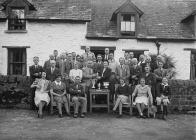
(52,104)
(125,105)
(146,107)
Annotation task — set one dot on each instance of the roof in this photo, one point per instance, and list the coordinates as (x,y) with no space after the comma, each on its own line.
(160,19)
(58,9)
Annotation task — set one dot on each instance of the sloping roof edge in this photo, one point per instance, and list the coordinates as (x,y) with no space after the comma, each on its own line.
(189,16)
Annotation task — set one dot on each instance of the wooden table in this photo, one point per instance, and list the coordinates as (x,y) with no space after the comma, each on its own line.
(100,92)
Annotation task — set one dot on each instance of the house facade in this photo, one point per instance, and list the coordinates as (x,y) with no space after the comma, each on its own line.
(123,25)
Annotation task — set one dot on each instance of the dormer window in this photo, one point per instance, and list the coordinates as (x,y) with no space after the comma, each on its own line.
(128,24)
(16,20)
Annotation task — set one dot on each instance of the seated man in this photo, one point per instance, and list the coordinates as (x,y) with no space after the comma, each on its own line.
(77,96)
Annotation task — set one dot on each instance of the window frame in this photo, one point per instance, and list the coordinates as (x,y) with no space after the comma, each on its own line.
(10,20)
(23,63)
(119,25)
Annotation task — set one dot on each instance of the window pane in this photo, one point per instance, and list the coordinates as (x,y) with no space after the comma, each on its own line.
(128,26)
(123,26)
(132,26)
(17,69)
(126,17)
(132,18)
(17,13)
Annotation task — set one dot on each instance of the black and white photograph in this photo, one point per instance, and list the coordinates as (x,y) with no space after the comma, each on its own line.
(97,69)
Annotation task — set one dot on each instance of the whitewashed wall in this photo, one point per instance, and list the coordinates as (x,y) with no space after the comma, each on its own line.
(43,38)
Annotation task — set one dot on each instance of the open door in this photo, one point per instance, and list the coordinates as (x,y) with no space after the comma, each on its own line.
(193,66)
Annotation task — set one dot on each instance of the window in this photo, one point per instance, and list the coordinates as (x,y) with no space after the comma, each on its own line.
(17,61)
(16,20)
(128,24)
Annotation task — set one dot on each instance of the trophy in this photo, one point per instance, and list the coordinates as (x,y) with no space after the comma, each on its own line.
(99,86)
(93,82)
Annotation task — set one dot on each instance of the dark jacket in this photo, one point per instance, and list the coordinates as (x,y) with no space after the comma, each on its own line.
(33,70)
(163,90)
(125,90)
(52,76)
(135,71)
(74,90)
(106,75)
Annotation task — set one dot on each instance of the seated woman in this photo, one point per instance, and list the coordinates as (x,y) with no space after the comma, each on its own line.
(163,93)
(58,90)
(143,96)
(122,93)
(41,93)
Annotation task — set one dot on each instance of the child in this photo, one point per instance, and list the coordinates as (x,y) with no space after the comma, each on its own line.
(122,93)
(163,93)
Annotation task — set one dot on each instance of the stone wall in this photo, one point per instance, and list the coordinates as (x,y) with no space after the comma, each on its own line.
(183,96)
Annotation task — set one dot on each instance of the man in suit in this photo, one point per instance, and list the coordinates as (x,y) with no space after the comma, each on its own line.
(47,63)
(52,72)
(106,55)
(160,72)
(98,66)
(88,55)
(62,64)
(56,58)
(123,71)
(104,75)
(78,97)
(69,64)
(35,72)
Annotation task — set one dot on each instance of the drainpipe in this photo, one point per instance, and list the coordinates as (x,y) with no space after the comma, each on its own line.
(158,45)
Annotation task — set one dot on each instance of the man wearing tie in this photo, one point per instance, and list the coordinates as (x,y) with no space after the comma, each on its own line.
(106,55)
(62,64)
(56,58)
(52,72)
(35,72)
(98,66)
(122,70)
(69,64)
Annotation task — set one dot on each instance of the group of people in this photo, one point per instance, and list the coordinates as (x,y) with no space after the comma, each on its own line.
(74,74)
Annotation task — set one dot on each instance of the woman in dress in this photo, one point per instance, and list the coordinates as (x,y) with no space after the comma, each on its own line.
(41,93)
(58,90)
(143,96)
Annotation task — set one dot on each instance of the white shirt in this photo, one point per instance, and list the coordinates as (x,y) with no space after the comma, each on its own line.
(57,83)
(73,73)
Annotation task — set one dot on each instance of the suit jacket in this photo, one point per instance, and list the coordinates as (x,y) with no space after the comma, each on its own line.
(68,66)
(165,90)
(90,56)
(160,74)
(33,70)
(62,66)
(47,65)
(105,76)
(97,67)
(104,57)
(74,90)
(58,60)
(52,76)
(135,71)
(123,72)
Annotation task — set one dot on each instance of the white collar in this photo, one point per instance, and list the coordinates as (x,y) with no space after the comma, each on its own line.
(164,84)
(123,85)
(57,83)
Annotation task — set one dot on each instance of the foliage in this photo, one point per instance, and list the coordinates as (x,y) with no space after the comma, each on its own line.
(169,64)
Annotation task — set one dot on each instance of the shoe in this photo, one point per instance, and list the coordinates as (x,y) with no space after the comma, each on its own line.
(75,115)
(41,116)
(142,116)
(119,116)
(38,116)
(68,114)
(60,116)
(82,115)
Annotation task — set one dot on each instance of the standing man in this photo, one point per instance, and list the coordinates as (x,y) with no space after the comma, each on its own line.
(35,72)
(56,58)
(106,55)
(160,72)
(62,64)
(69,64)
(88,55)
(123,71)
(52,72)
(98,66)
(126,57)
(78,97)
(73,56)
(47,63)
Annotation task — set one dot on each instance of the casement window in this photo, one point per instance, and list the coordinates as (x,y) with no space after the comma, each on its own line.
(127,24)
(17,61)
(16,20)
